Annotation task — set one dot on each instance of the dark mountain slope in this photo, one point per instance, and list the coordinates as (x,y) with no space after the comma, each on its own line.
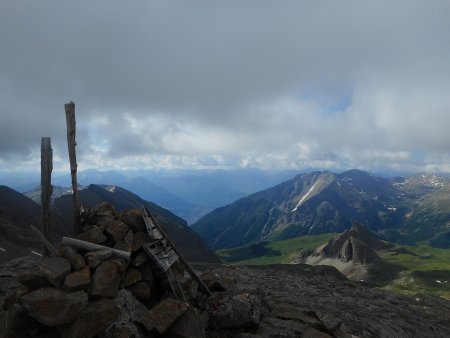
(313,203)
(188,241)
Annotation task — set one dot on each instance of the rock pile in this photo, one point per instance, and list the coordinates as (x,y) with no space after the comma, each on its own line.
(96,294)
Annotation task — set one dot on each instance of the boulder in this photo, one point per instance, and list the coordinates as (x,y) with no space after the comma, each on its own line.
(190,325)
(288,311)
(55,269)
(74,258)
(133,219)
(19,324)
(106,280)
(34,281)
(146,272)
(94,235)
(131,312)
(139,259)
(141,290)
(116,230)
(126,243)
(311,332)
(163,315)
(132,276)
(51,306)
(77,280)
(139,239)
(227,311)
(94,319)
(95,258)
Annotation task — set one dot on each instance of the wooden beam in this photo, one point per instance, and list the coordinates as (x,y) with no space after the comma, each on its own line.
(88,246)
(46,186)
(71,143)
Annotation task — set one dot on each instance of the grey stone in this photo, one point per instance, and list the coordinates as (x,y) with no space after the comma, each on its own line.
(55,269)
(141,290)
(131,312)
(139,239)
(228,311)
(139,259)
(190,325)
(94,319)
(134,220)
(163,315)
(106,280)
(95,258)
(126,243)
(116,230)
(77,280)
(132,276)
(311,332)
(53,307)
(94,235)
(75,258)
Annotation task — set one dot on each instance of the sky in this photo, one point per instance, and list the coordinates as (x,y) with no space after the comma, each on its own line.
(229,84)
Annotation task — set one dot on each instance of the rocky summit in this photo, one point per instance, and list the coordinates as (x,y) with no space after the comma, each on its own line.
(84,293)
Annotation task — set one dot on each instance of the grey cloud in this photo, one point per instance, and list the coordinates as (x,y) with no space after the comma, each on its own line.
(251,79)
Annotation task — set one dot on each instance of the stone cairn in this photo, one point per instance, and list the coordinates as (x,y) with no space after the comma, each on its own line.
(82,293)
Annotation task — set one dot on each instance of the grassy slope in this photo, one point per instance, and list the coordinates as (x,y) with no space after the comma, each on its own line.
(409,270)
(277,252)
(421,267)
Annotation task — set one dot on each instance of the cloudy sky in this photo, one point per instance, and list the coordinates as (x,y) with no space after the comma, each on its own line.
(206,84)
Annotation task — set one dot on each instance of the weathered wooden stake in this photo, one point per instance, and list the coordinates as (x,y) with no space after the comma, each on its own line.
(46,185)
(71,130)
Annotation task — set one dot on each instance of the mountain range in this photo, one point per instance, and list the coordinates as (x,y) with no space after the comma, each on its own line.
(189,194)
(402,210)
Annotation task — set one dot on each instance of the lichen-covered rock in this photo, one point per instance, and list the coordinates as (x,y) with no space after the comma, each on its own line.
(116,230)
(131,312)
(94,319)
(190,325)
(74,257)
(95,258)
(55,269)
(139,239)
(141,290)
(51,306)
(132,276)
(94,235)
(77,280)
(228,311)
(133,218)
(126,243)
(163,315)
(106,280)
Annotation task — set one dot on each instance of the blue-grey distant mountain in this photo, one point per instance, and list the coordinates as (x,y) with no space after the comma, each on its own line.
(189,194)
(323,202)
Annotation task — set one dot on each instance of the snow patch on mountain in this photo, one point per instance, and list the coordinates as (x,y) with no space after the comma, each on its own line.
(305,196)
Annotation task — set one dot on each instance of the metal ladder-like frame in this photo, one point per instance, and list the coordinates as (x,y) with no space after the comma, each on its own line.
(164,252)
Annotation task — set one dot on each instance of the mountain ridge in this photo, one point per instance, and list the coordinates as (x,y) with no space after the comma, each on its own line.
(322,202)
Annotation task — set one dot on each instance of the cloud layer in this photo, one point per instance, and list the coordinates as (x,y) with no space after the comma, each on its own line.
(169,84)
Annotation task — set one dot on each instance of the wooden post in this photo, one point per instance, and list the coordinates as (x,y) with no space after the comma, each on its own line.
(71,130)
(46,185)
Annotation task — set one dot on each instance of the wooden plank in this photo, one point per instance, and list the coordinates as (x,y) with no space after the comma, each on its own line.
(190,270)
(46,186)
(164,259)
(71,143)
(88,246)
